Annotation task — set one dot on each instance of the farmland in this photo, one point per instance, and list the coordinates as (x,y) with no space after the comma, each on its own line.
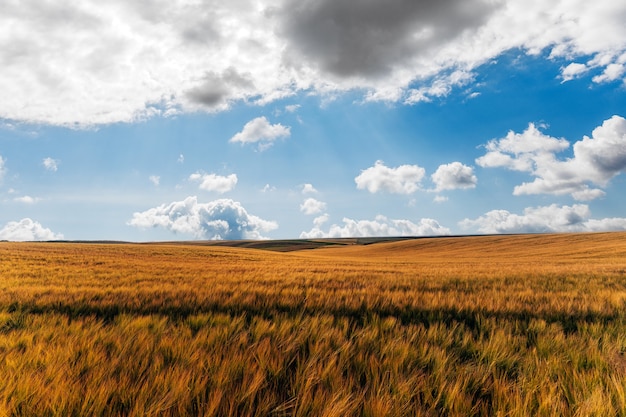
(486,325)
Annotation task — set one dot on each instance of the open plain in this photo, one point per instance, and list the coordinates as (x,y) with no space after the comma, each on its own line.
(480,325)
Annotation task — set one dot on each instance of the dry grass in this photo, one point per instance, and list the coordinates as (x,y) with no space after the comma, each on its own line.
(509,326)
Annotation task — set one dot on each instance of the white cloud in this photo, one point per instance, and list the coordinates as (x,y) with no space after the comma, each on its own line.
(380,226)
(213,182)
(312,206)
(26,199)
(155,179)
(547,219)
(595,162)
(50,164)
(120,61)
(27,230)
(268,188)
(260,131)
(404,179)
(320,220)
(612,72)
(454,176)
(216,220)
(440,199)
(181,159)
(292,108)
(308,189)
(573,70)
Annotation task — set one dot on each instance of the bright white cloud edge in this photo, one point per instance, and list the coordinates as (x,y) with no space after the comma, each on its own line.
(222,219)
(27,230)
(379,227)
(543,219)
(595,161)
(122,61)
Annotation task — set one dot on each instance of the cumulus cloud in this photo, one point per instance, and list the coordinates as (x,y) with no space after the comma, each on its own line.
(320,220)
(404,179)
(27,230)
(260,131)
(546,219)
(369,39)
(120,61)
(312,206)
(380,226)
(597,159)
(454,176)
(308,189)
(50,164)
(222,219)
(573,70)
(214,182)
(216,90)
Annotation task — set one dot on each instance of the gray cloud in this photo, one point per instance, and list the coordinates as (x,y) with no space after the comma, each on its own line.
(222,219)
(216,89)
(368,38)
(120,61)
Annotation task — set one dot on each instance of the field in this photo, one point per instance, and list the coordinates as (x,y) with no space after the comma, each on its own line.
(487,325)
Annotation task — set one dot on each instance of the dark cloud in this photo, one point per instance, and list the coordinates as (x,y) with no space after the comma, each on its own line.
(368,38)
(216,88)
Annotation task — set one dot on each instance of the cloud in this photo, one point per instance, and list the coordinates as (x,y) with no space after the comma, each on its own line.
(343,39)
(181,159)
(216,90)
(222,219)
(260,131)
(380,226)
(454,176)
(308,189)
(120,61)
(547,219)
(268,188)
(50,164)
(404,179)
(312,206)
(320,220)
(155,179)
(573,70)
(27,230)
(292,108)
(213,182)
(26,199)
(595,162)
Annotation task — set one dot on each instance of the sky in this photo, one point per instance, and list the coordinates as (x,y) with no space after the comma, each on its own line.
(273,119)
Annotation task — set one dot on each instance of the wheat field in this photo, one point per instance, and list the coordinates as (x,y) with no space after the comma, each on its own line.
(488,326)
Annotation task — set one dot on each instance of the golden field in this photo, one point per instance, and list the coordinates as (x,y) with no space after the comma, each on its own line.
(492,325)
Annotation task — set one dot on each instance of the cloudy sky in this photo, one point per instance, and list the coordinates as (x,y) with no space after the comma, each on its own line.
(204,119)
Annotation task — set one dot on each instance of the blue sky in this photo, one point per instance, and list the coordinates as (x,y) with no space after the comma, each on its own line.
(186,120)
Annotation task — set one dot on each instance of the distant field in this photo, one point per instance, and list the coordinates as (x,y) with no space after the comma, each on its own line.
(487,325)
